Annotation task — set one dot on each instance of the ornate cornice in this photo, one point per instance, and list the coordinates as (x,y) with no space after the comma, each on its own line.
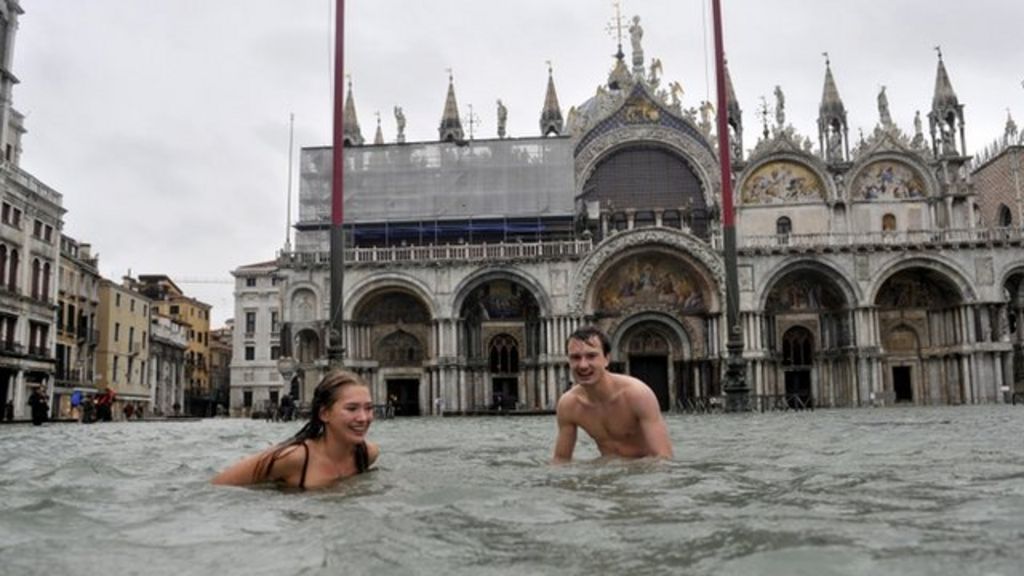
(622,242)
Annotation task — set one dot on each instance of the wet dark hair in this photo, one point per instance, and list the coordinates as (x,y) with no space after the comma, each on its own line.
(324,396)
(585,333)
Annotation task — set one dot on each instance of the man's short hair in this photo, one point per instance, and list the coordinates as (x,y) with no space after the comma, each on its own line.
(585,333)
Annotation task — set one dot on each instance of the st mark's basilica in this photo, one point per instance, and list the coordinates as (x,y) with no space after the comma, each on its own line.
(875,270)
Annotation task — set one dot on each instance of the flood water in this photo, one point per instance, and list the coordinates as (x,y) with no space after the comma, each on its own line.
(873,491)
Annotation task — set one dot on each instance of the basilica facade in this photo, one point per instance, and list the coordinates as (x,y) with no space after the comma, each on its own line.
(869,271)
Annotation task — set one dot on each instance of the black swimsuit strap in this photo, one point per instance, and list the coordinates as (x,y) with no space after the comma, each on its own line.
(305,465)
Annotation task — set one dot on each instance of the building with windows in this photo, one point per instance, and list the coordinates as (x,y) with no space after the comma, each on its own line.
(77,335)
(255,343)
(122,355)
(870,271)
(170,301)
(30,224)
(220,368)
(168,339)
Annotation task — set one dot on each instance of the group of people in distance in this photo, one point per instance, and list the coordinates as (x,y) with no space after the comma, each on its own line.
(619,412)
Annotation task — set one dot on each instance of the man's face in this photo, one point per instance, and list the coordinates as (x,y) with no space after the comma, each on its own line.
(587,361)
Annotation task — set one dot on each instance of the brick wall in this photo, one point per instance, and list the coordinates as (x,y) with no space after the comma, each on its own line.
(997,183)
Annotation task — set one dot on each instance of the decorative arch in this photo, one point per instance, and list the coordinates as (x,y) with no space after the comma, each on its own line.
(503,352)
(399,348)
(890,176)
(489,274)
(826,268)
(391,306)
(390,281)
(945,270)
(694,153)
(303,303)
(784,179)
(679,330)
(307,346)
(680,244)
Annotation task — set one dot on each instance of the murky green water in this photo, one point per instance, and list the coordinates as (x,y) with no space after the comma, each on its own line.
(884,491)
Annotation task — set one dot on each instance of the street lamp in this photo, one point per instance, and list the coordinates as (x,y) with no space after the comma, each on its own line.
(737,394)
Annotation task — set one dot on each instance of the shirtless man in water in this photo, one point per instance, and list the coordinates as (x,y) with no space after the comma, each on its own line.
(619,412)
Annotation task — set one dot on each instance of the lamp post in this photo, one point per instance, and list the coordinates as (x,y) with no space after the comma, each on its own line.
(737,394)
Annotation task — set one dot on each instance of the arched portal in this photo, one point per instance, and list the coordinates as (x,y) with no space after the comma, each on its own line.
(501,320)
(808,332)
(923,324)
(656,349)
(392,334)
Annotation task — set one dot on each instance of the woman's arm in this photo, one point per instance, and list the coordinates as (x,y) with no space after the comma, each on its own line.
(286,465)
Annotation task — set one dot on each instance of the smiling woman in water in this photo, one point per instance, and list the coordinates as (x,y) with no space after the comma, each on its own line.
(331,446)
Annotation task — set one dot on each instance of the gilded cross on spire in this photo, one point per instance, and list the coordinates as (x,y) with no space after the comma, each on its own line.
(473,120)
(348,77)
(827,61)
(764,115)
(451,75)
(615,26)
(938,49)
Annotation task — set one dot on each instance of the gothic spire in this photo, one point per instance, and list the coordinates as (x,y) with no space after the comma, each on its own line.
(944,97)
(833,131)
(947,116)
(350,122)
(451,127)
(551,116)
(831,102)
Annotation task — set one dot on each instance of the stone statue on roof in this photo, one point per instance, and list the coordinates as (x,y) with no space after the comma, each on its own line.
(400,122)
(780,107)
(636,34)
(502,118)
(883,109)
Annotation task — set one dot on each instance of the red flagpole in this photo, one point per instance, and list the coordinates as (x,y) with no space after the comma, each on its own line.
(336,345)
(737,393)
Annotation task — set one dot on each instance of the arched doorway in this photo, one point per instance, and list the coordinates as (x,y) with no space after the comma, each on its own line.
(647,353)
(503,363)
(797,362)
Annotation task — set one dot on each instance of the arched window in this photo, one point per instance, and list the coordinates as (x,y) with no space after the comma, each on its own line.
(797,347)
(3,264)
(12,277)
(784,226)
(35,278)
(504,355)
(46,282)
(889,223)
(1005,216)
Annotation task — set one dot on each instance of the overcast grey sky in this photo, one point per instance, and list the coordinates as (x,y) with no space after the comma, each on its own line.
(164,123)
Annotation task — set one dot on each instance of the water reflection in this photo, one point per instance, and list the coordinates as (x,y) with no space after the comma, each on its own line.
(889,491)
